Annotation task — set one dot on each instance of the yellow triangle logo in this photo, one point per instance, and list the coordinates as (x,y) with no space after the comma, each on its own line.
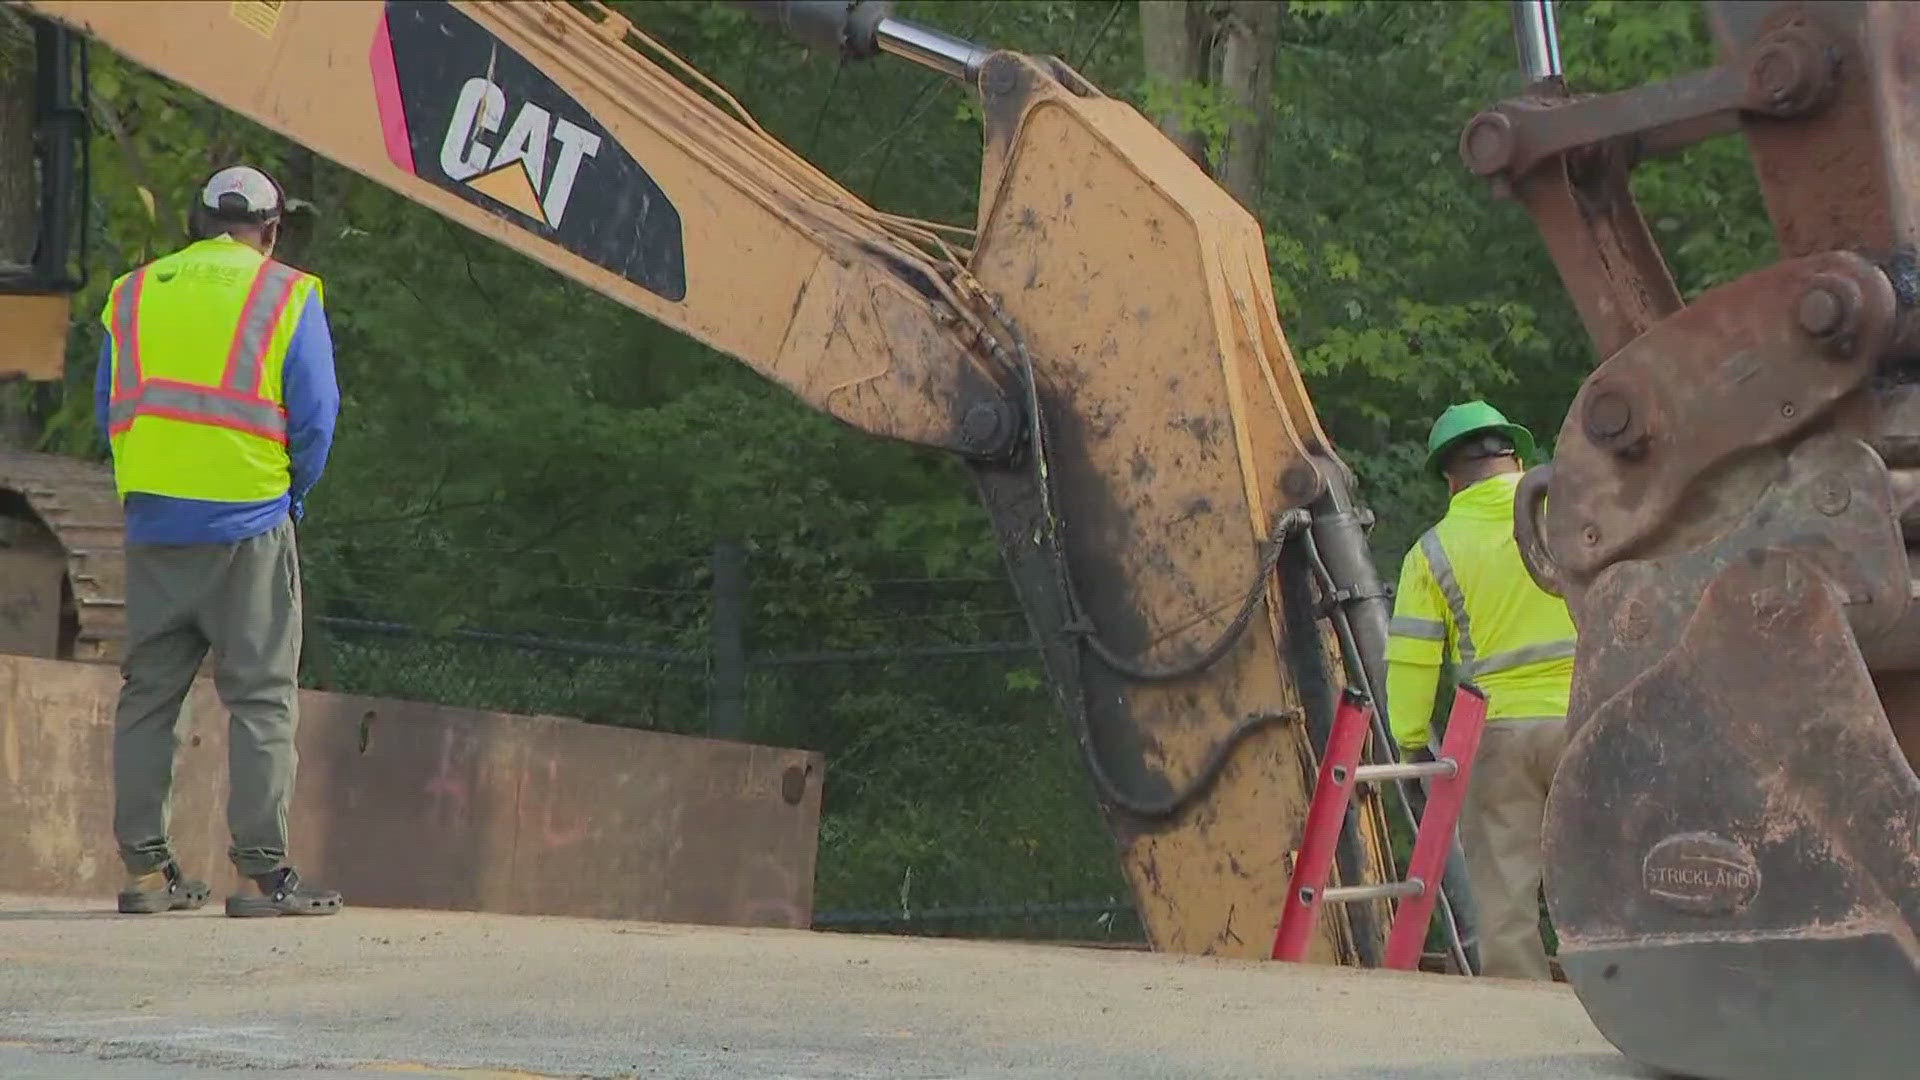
(511,186)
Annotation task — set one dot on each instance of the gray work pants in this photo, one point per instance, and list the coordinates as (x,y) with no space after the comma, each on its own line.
(242,600)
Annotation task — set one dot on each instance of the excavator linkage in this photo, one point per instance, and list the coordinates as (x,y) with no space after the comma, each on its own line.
(1733,836)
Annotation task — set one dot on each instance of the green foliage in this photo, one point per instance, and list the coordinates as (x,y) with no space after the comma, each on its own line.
(965,793)
(519,454)
(1202,109)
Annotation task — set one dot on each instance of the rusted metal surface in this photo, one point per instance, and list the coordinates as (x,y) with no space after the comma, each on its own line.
(1733,838)
(1844,177)
(1515,138)
(1567,159)
(1732,372)
(76,502)
(401,804)
(1832,506)
(1893,428)
(1751,911)
(1601,245)
(1789,71)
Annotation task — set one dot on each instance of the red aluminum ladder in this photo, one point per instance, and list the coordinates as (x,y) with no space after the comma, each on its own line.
(1340,771)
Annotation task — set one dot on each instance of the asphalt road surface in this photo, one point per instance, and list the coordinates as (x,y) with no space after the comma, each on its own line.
(86,994)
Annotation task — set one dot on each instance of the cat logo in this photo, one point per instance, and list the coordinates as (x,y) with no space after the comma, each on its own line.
(462,111)
(532,168)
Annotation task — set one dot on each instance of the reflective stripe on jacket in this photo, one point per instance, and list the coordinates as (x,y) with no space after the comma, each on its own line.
(199,341)
(1465,593)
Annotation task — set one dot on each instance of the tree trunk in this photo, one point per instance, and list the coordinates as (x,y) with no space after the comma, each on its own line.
(1249,36)
(1174,37)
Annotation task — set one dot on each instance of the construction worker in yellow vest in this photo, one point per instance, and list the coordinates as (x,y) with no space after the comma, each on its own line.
(217,396)
(1465,594)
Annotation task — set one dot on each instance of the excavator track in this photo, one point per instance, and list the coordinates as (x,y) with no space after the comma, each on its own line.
(50,500)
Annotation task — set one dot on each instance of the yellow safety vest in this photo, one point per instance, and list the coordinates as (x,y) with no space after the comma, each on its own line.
(200,338)
(1465,593)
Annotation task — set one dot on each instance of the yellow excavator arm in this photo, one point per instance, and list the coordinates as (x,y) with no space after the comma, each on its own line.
(547,130)
(1101,347)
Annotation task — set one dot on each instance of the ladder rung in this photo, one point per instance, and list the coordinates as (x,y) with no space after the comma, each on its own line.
(1392,890)
(1406,770)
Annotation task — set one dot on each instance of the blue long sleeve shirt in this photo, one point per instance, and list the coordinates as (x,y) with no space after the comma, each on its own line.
(313,405)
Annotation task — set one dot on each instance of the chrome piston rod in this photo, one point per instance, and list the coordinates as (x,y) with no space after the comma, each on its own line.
(865,28)
(951,56)
(1537,39)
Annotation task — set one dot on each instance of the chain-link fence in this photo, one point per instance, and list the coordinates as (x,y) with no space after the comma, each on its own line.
(954,801)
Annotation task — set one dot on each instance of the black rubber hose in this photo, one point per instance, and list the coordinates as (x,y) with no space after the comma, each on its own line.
(1083,633)
(1140,671)
(1202,780)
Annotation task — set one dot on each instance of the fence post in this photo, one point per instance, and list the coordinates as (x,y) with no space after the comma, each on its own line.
(727,692)
(316,648)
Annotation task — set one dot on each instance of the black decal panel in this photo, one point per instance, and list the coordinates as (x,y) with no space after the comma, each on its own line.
(484,123)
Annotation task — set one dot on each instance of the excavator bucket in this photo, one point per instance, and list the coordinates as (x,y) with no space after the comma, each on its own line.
(1733,836)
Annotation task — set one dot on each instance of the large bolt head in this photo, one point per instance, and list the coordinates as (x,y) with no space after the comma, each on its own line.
(1487,143)
(1778,71)
(1607,415)
(999,77)
(1829,311)
(1821,311)
(986,427)
(1792,72)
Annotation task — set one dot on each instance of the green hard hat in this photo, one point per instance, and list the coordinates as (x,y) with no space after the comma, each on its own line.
(1460,421)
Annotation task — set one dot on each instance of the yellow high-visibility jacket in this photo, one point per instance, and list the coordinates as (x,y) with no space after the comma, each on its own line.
(199,340)
(1464,593)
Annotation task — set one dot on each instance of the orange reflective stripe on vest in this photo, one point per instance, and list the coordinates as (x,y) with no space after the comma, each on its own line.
(126,340)
(197,402)
(199,405)
(272,288)
(236,403)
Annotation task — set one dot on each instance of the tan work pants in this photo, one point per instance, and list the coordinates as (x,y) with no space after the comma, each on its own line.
(1500,828)
(243,601)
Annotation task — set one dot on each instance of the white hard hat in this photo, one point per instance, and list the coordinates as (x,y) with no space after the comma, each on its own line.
(241,190)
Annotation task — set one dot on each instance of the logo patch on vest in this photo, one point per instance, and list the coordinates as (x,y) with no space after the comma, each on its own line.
(464,112)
